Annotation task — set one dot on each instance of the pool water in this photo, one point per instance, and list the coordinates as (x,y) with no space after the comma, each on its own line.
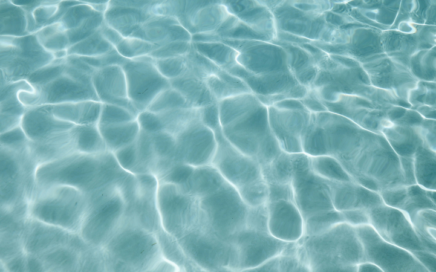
(193,135)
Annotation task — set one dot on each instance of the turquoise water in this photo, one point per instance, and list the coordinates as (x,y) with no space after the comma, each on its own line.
(189,135)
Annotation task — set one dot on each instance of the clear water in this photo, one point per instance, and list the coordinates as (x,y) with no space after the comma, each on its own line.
(190,135)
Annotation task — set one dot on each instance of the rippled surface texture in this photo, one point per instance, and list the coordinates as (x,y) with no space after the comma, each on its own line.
(190,135)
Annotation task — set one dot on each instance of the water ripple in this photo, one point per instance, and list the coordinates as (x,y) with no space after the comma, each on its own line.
(249,135)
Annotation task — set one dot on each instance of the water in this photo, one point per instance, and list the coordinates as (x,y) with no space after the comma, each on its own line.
(191,135)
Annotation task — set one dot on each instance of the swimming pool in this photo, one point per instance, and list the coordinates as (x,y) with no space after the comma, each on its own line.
(187,135)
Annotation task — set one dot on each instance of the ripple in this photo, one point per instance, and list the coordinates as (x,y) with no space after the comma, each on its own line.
(217,136)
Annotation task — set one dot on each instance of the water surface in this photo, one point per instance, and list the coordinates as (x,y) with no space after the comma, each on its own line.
(189,135)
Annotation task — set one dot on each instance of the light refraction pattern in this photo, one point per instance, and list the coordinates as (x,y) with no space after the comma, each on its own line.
(194,135)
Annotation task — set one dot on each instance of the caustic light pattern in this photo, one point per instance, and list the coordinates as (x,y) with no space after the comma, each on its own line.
(193,135)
